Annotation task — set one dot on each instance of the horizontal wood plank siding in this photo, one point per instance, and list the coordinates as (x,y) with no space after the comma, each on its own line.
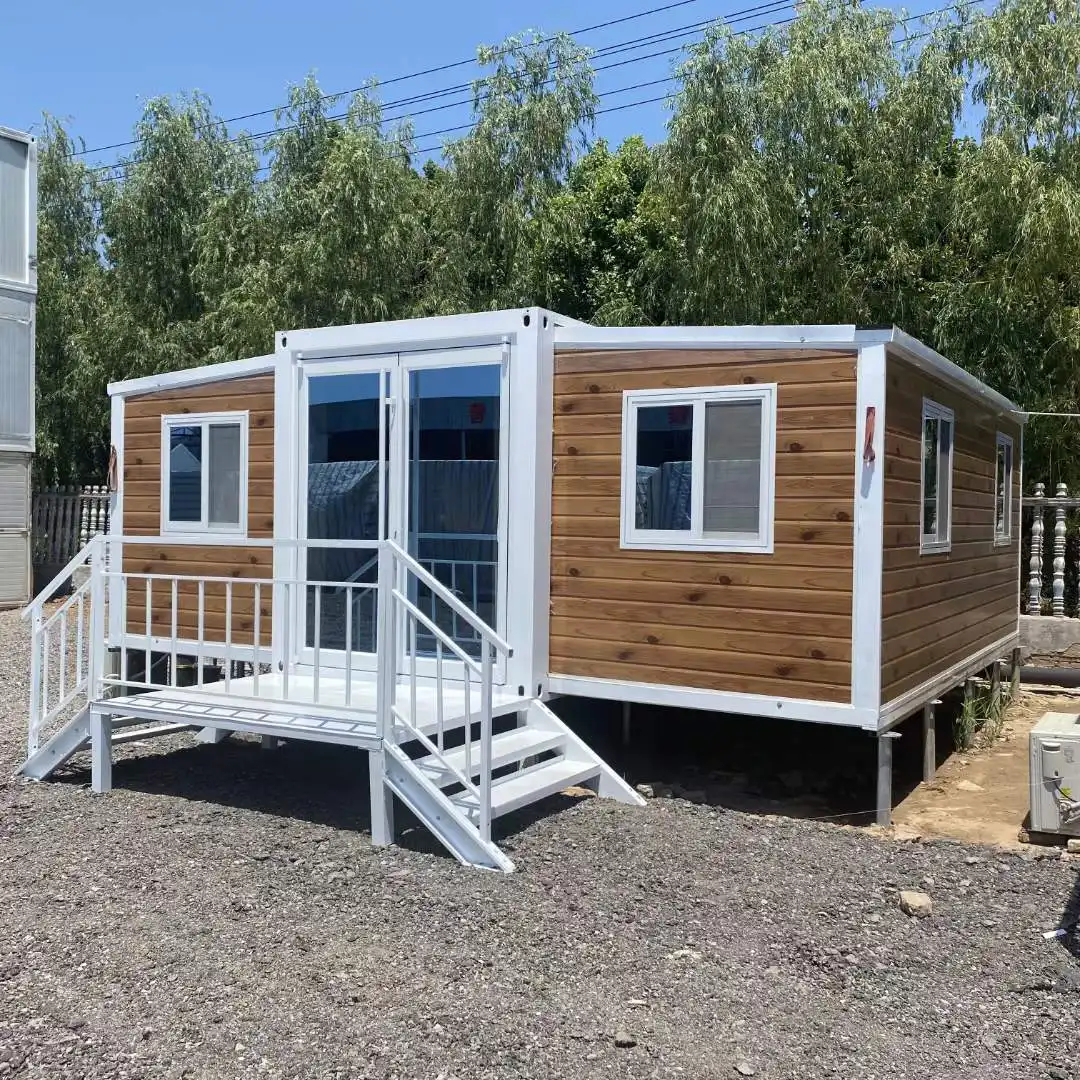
(142,516)
(940,609)
(776,624)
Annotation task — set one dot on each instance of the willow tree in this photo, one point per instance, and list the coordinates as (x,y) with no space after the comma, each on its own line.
(803,168)
(1011,310)
(533,111)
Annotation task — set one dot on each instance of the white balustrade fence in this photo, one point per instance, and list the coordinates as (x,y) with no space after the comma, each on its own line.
(1052,553)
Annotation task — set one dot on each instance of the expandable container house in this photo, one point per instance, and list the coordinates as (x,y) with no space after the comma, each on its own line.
(18,301)
(816,523)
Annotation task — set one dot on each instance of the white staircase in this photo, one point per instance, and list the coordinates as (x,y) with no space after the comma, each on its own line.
(450,744)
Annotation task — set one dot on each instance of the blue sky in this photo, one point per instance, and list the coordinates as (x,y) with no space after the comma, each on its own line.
(94,64)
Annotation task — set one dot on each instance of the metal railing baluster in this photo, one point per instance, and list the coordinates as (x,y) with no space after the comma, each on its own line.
(256,635)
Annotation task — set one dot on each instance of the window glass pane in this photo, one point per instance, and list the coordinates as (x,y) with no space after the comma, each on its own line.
(999,495)
(344,492)
(453,483)
(185,473)
(224,469)
(944,467)
(930,477)
(732,467)
(664,454)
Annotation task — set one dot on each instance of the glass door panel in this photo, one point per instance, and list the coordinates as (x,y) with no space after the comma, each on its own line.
(346,485)
(452,485)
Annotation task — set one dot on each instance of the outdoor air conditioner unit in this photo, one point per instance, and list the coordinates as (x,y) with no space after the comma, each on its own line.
(1054,763)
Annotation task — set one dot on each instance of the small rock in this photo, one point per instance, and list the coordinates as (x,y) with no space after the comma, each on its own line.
(624,1041)
(646,790)
(1073,846)
(916,904)
(744,1068)
(76,1023)
(637,1003)
(684,954)
(968,785)
(965,883)
(971,860)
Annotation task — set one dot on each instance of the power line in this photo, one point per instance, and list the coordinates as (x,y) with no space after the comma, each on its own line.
(777,5)
(426,71)
(770,7)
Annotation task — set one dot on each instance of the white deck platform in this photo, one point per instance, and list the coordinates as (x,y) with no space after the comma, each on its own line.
(239,706)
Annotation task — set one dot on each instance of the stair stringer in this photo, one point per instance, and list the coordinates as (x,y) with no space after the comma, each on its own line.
(610,785)
(448,824)
(64,744)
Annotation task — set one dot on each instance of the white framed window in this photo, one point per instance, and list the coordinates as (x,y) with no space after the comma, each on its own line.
(699,468)
(204,473)
(938,426)
(1003,483)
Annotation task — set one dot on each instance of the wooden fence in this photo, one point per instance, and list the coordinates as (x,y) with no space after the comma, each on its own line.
(64,519)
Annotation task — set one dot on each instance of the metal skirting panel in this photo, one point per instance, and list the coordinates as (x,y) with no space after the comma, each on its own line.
(14,568)
(14,491)
(16,369)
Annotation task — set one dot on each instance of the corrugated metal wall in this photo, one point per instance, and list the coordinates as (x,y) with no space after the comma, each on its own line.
(14,528)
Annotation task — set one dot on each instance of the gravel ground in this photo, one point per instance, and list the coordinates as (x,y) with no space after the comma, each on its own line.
(219,915)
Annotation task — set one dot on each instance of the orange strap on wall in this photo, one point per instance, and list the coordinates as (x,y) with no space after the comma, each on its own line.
(111,477)
(868,447)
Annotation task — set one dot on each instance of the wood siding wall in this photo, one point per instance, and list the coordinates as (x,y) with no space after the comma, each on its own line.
(762,624)
(939,609)
(142,514)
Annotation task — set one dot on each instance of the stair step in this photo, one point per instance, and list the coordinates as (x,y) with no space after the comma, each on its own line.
(519,789)
(507,748)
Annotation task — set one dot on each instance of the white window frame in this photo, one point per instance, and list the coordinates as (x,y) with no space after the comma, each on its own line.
(1003,539)
(196,530)
(933,410)
(694,538)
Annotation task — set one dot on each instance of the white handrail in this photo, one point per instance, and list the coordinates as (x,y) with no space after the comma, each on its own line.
(77,560)
(449,598)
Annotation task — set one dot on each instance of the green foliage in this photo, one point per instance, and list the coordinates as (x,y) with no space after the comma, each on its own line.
(826,170)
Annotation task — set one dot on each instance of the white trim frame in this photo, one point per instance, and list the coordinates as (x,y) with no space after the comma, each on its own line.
(695,538)
(811,336)
(200,376)
(938,544)
(723,701)
(529,514)
(893,712)
(116,521)
(1003,441)
(868,531)
(196,531)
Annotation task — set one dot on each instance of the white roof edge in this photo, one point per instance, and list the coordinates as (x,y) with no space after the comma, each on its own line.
(18,136)
(583,336)
(933,363)
(196,376)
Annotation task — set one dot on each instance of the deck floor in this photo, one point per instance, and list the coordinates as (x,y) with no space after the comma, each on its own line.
(335,713)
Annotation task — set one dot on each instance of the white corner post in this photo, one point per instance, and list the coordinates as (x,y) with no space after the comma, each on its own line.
(116,518)
(869,529)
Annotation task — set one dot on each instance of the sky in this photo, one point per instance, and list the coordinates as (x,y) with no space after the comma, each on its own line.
(94,64)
